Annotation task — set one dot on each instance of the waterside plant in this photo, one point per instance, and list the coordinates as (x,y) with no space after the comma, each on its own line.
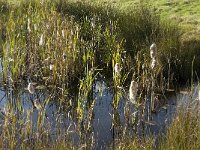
(63,48)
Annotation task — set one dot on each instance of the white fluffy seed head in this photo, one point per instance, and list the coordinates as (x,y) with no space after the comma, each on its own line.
(51,67)
(28,25)
(31,88)
(153,51)
(42,2)
(35,27)
(153,63)
(133,91)
(37,104)
(93,23)
(117,68)
(41,42)
(63,33)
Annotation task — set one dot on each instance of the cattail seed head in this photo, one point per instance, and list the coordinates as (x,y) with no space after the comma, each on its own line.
(35,27)
(133,91)
(41,42)
(153,63)
(28,25)
(37,104)
(42,2)
(63,33)
(153,51)
(31,88)
(117,68)
(93,23)
(51,67)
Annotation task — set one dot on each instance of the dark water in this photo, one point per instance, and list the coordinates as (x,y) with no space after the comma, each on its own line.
(105,129)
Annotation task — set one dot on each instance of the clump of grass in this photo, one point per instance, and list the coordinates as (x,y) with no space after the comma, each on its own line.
(184,132)
(136,144)
(19,131)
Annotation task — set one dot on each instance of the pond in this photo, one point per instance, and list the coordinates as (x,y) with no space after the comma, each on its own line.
(105,124)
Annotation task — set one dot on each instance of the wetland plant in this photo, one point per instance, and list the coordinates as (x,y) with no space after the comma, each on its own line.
(153,55)
(65,51)
(117,68)
(31,88)
(37,104)
(133,89)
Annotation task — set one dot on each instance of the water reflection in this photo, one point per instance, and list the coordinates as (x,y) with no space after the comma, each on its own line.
(102,124)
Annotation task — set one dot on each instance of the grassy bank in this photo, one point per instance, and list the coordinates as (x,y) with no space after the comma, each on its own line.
(183,12)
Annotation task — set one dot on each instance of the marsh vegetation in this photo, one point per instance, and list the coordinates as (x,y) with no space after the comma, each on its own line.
(87,75)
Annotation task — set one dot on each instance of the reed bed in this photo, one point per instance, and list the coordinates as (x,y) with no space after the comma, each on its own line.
(62,48)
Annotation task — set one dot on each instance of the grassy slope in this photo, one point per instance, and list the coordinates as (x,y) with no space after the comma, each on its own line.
(185,12)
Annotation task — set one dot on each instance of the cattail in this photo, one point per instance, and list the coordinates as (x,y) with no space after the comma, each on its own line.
(31,88)
(42,2)
(35,27)
(5,116)
(57,33)
(46,60)
(10,60)
(28,25)
(37,104)
(41,40)
(63,33)
(93,23)
(153,63)
(153,51)
(153,55)
(51,67)
(133,91)
(117,68)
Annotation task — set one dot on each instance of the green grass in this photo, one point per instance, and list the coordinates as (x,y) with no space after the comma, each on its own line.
(184,12)
(167,9)
(184,132)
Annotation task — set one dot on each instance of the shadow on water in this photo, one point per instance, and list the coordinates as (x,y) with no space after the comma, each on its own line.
(107,124)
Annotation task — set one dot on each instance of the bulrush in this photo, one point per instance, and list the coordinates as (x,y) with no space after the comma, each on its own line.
(42,2)
(93,23)
(35,27)
(28,25)
(153,63)
(51,67)
(41,40)
(153,51)
(153,55)
(37,104)
(117,68)
(133,91)
(63,33)
(31,88)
